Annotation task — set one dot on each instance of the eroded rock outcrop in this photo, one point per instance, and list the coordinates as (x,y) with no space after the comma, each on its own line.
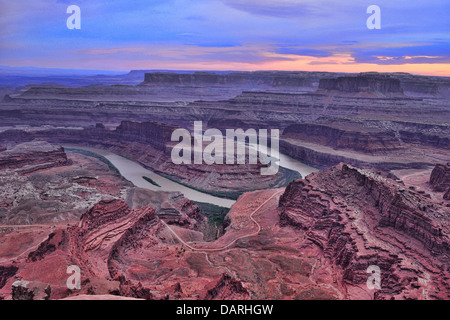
(100,245)
(33,156)
(315,242)
(358,139)
(150,144)
(447,195)
(104,229)
(57,239)
(359,218)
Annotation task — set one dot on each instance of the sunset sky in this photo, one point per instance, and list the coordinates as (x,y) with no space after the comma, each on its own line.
(310,35)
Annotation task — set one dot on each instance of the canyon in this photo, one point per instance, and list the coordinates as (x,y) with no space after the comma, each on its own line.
(376,192)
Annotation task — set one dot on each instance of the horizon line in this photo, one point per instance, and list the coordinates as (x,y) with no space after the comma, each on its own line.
(125,71)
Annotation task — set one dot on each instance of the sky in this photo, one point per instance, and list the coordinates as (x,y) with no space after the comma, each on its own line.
(248,35)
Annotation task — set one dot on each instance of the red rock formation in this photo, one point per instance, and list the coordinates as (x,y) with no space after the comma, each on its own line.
(150,144)
(227,288)
(6,273)
(150,132)
(102,213)
(316,242)
(109,225)
(440,177)
(358,139)
(55,240)
(359,218)
(35,155)
(128,289)
(368,83)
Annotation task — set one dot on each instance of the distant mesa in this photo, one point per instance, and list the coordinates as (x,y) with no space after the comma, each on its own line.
(370,84)
(440,179)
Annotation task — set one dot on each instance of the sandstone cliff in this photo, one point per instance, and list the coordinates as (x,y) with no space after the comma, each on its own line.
(359,219)
(32,156)
(370,84)
(364,140)
(258,79)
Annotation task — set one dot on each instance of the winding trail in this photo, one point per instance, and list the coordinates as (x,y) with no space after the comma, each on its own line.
(232,242)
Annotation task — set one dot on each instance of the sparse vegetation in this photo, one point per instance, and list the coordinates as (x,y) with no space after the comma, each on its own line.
(215,214)
(150,181)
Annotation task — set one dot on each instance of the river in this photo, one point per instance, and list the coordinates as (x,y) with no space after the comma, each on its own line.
(134,172)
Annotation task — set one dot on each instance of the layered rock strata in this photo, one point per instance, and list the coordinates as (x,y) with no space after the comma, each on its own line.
(361,219)
(370,84)
(149,143)
(363,140)
(440,177)
(33,155)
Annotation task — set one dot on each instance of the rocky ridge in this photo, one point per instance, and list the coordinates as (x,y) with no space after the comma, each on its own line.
(440,179)
(149,143)
(368,84)
(316,242)
(359,218)
(32,156)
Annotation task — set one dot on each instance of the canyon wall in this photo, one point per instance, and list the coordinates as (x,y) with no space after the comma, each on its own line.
(33,155)
(363,140)
(440,179)
(359,218)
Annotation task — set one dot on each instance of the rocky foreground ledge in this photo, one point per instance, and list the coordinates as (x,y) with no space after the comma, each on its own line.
(316,242)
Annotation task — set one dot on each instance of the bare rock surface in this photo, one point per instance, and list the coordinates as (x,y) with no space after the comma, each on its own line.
(365,84)
(359,218)
(33,155)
